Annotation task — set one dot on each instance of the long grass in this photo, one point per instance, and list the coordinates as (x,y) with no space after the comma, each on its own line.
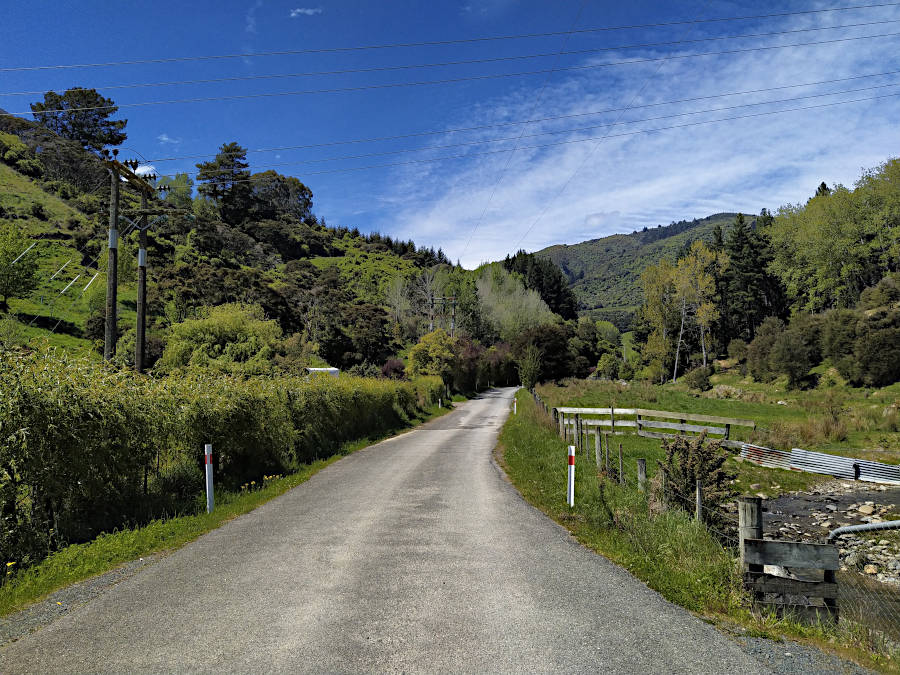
(668,550)
(671,552)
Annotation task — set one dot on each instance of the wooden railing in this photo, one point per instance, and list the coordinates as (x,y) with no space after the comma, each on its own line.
(647,423)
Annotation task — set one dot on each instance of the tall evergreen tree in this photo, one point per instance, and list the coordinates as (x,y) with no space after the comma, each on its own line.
(547,279)
(751,292)
(81,115)
(823,190)
(226,180)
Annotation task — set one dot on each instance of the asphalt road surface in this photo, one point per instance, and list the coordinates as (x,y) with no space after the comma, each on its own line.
(414,555)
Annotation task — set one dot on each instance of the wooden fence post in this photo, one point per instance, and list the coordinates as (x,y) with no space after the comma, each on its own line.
(606,453)
(698,513)
(621,467)
(598,449)
(750,525)
(663,484)
(578,431)
(642,474)
(612,418)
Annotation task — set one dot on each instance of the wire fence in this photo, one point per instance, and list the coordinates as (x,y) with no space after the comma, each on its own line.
(870,602)
(867,584)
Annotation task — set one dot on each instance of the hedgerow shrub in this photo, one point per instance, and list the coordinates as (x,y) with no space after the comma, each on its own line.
(698,378)
(85,449)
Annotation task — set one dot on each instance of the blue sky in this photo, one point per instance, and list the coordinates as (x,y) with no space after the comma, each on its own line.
(488,200)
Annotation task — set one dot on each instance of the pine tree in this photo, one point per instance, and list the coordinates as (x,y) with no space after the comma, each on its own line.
(751,292)
(226,180)
(81,115)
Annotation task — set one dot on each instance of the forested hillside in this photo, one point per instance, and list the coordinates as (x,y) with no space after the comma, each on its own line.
(812,293)
(605,273)
(244,276)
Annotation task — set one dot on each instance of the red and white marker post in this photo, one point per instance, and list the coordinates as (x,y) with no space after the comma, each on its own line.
(207,457)
(570,494)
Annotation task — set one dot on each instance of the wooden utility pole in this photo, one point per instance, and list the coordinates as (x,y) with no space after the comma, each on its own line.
(453,317)
(126,170)
(110,333)
(140,339)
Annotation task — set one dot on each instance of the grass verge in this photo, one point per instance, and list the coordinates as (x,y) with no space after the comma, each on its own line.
(81,561)
(668,550)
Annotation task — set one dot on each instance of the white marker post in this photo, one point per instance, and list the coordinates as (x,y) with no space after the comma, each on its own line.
(571,492)
(209,477)
(515,404)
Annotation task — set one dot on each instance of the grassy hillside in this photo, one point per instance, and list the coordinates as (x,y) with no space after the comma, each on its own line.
(606,273)
(74,240)
(53,222)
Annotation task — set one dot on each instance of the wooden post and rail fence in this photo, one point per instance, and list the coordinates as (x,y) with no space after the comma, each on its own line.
(646,423)
(809,594)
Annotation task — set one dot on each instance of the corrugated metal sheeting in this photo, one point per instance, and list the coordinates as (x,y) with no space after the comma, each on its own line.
(819,462)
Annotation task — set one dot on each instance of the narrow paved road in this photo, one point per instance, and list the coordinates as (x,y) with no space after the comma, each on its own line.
(414,555)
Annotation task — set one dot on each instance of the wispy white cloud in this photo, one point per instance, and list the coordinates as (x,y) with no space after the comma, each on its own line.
(165,139)
(592,188)
(305,11)
(250,17)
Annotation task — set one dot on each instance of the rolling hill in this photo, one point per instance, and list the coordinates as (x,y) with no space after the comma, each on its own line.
(605,273)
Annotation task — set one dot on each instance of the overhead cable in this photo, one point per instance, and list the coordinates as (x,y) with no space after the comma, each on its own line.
(580,140)
(434,43)
(495,125)
(496,59)
(393,85)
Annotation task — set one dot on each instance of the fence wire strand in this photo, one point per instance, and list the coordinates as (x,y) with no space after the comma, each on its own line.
(868,607)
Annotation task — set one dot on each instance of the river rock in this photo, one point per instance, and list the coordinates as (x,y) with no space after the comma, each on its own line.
(870,569)
(866,509)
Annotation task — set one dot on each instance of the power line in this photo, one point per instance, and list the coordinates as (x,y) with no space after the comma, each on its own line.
(374,139)
(521,134)
(433,43)
(581,140)
(497,59)
(321,160)
(394,85)
(509,159)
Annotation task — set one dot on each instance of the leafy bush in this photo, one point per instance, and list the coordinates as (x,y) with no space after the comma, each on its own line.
(877,348)
(84,449)
(698,378)
(759,350)
(791,355)
(689,460)
(30,167)
(608,366)
(737,349)
(37,210)
(393,369)
(529,366)
(232,338)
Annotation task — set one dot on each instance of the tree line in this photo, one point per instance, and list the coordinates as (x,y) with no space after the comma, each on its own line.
(784,293)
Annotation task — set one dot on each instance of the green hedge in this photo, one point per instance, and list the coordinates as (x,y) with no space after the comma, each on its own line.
(85,449)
